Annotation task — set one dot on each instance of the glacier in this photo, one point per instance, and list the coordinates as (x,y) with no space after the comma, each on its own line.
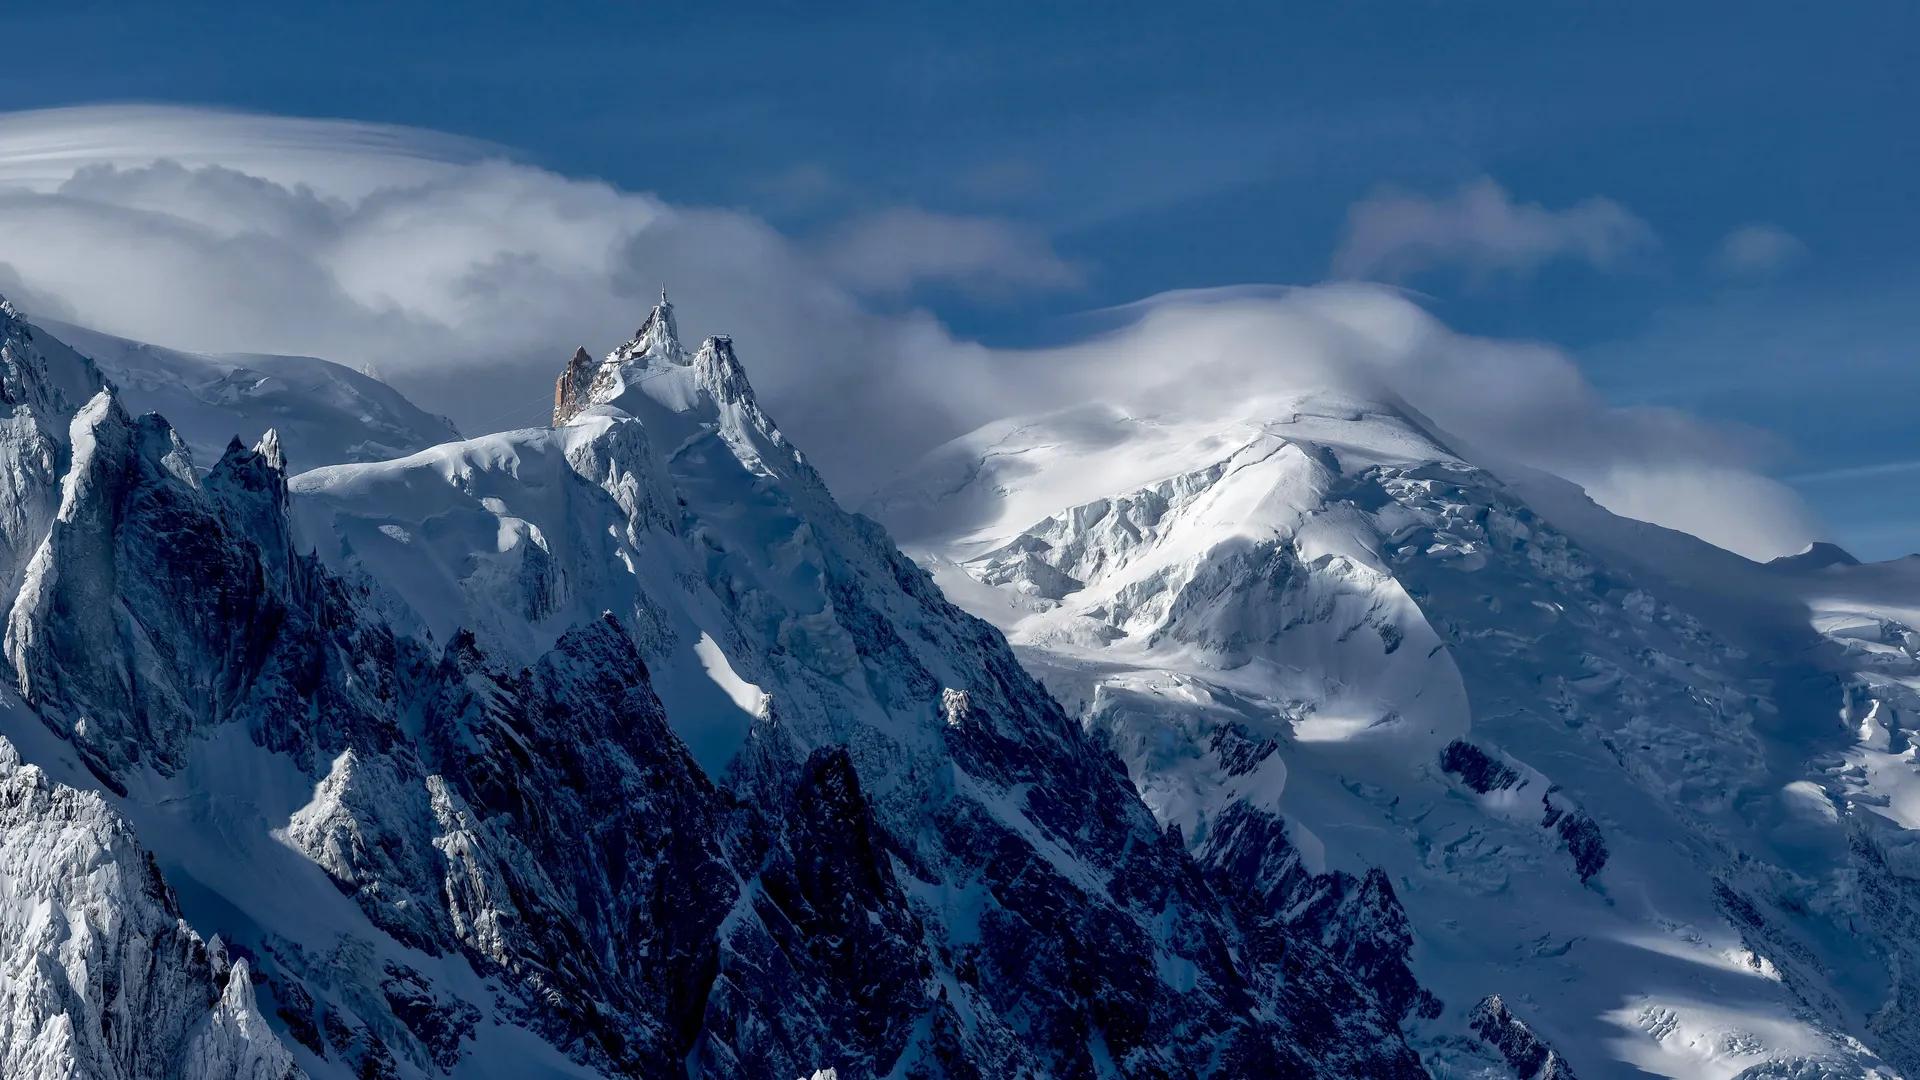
(1647,805)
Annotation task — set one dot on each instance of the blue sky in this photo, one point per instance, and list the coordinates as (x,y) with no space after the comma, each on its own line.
(1158,147)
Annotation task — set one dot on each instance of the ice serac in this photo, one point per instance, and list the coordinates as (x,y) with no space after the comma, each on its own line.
(1657,799)
(103,980)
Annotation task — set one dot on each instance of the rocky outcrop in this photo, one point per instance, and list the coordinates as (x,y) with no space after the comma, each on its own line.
(157,606)
(42,382)
(570,389)
(1529,1058)
(102,979)
(1334,940)
(580,843)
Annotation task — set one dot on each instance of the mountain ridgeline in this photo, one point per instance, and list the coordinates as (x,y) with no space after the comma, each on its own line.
(615,748)
(1289,741)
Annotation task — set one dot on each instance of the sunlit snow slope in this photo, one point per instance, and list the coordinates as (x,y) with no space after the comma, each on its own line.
(1656,799)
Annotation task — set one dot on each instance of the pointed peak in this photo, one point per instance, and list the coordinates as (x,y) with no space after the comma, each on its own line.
(719,370)
(269,448)
(660,334)
(1816,556)
(570,389)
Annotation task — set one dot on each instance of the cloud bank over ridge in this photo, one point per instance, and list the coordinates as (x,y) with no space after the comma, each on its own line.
(466,277)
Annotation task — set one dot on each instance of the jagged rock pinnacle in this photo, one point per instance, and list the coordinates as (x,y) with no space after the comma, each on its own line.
(660,334)
(269,450)
(570,390)
(657,341)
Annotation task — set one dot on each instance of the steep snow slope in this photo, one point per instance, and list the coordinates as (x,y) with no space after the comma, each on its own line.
(322,412)
(1645,802)
(619,749)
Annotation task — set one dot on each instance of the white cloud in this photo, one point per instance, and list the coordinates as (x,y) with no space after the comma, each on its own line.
(1757,250)
(891,252)
(429,264)
(1206,353)
(1726,505)
(468,278)
(1481,229)
(40,149)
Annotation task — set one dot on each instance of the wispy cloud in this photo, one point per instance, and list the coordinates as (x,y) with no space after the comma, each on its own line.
(1856,472)
(1480,228)
(891,252)
(1757,250)
(41,149)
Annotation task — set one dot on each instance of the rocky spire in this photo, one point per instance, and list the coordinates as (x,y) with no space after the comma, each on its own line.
(660,335)
(570,390)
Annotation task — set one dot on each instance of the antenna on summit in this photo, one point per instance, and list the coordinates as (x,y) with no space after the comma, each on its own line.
(663,294)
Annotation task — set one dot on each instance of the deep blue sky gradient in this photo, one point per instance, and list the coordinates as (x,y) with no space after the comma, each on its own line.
(1165,146)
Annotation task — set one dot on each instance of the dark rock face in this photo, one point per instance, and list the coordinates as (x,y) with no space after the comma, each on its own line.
(1578,833)
(1338,941)
(441,1026)
(570,390)
(1476,768)
(586,865)
(832,969)
(154,609)
(1240,752)
(1530,1058)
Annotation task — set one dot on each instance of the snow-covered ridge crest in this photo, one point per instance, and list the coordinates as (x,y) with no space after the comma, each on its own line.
(324,412)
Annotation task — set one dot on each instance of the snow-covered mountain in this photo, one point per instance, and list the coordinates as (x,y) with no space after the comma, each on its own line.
(323,413)
(1650,808)
(614,748)
(617,748)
